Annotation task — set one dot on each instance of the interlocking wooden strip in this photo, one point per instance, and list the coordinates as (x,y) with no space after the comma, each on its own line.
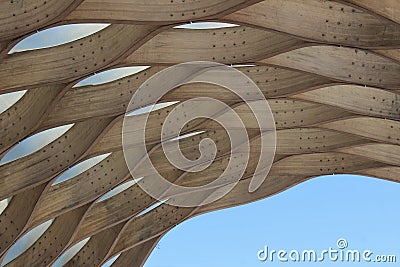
(56,237)
(328,160)
(40,166)
(283,101)
(95,250)
(351,65)
(71,61)
(322,21)
(389,154)
(313,140)
(375,129)
(153,11)
(20,17)
(336,110)
(19,120)
(136,256)
(169,216)
(16,216)
(388,173)
(363,100)
(100,179)
(387,8)
(121,212)
(274,184)
(112,98)
(229,45)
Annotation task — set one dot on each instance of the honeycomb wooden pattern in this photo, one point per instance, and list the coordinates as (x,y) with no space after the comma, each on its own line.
(330,71)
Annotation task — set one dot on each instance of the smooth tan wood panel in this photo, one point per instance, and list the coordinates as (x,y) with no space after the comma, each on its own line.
(317,164)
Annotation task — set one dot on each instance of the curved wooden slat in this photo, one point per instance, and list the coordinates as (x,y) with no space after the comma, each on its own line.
(230,45)
(109,99)
(16,216)
(313,140)
(388,173)
(390,53)
(153,11)
(22,16)
(336,110)
(367,127)
(112,98)
(134,200)
(138,230)
(95,250)
(71,61)
(124,208)
(386,8)
(273,186)
(288,113)
(321,21)
(66,195)
(56,237)
(350,65)
(389,154)
(136,257)
(19,120)
(40,166)
(363,100)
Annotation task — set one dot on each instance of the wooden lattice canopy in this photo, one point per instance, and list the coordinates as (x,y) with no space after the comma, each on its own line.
(330,71)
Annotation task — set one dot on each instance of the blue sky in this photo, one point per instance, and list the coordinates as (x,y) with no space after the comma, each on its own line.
(312,215)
